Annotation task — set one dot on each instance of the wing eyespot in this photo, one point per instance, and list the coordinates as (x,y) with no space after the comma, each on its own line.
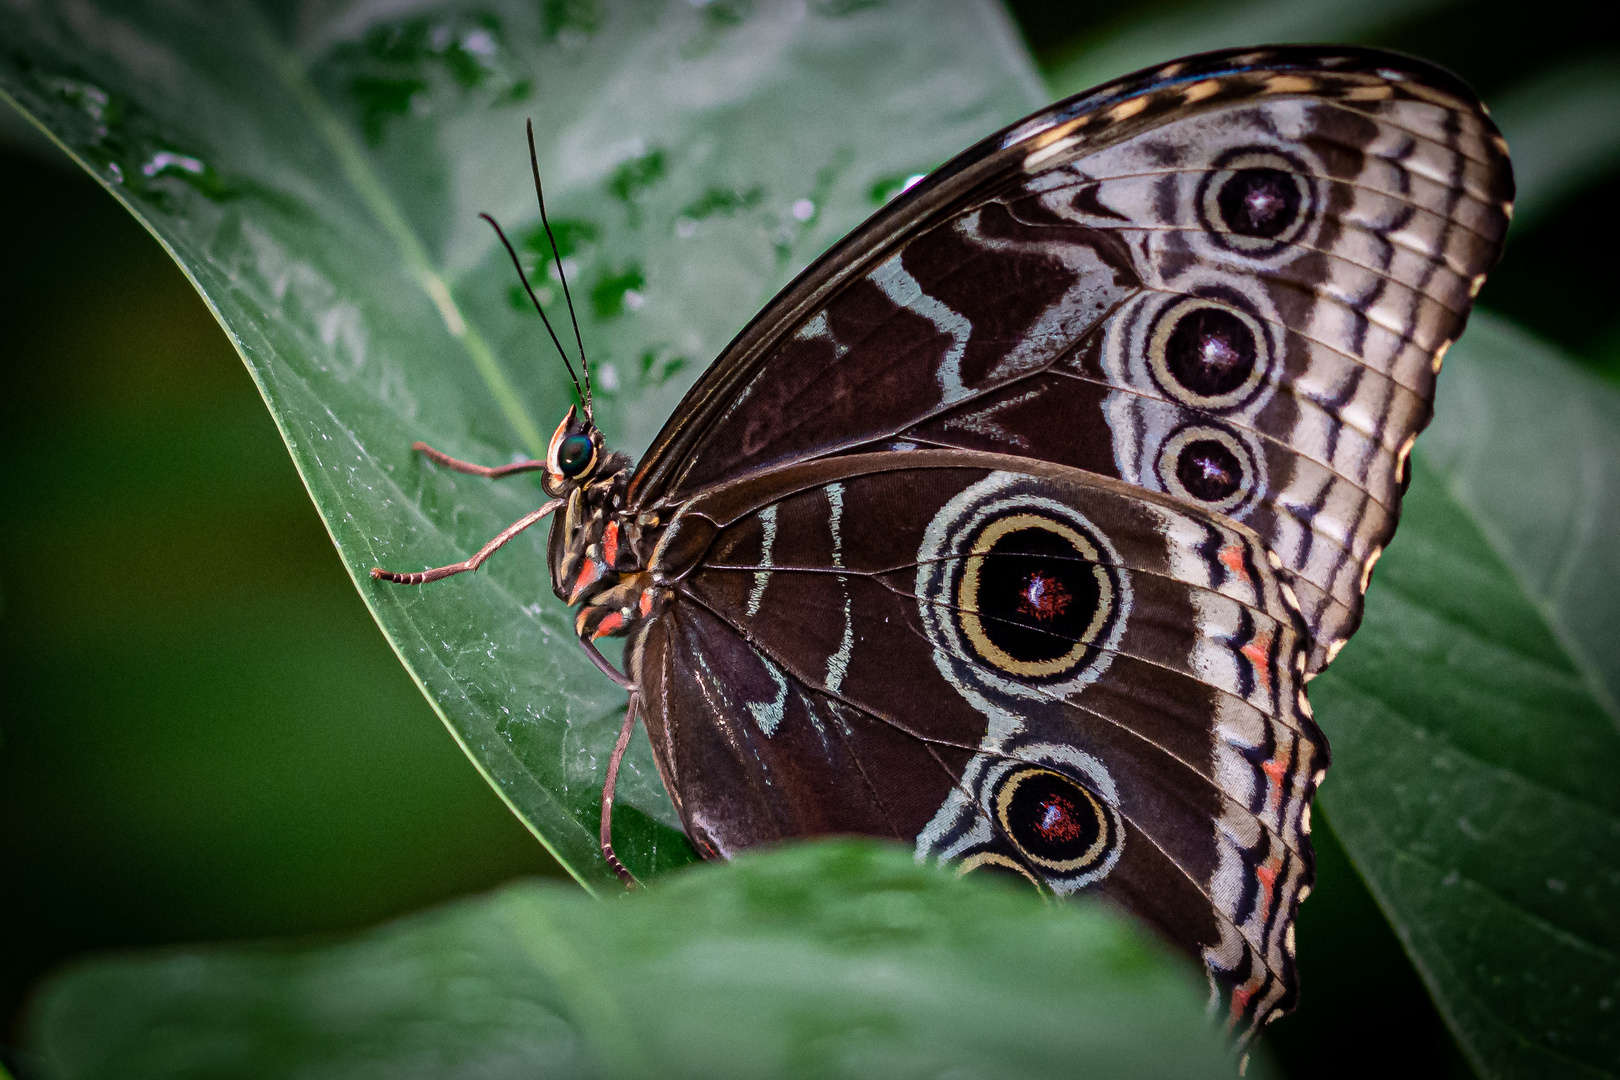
(1053,822)
(1256,201)
(1208,353)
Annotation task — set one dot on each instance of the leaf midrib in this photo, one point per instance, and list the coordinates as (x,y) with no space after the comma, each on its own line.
(357,170)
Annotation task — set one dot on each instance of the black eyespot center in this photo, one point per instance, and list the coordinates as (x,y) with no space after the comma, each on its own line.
(1211,351)
(1052,820)
(1262,203)
(1209,470)
(1037,595)
(575,454)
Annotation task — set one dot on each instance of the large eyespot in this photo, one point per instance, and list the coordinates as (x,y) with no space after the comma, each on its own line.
(1256,201)
(1208,354)
(1055,823)
(1021,594)
(575,454)
(1034,595)
(1209,465)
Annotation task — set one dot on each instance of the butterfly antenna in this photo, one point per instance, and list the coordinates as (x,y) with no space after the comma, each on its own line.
(584,395)
(534,165)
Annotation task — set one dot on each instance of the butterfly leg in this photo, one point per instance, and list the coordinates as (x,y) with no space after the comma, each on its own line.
(422,577)
(607,790)
(606,668)
(494,473)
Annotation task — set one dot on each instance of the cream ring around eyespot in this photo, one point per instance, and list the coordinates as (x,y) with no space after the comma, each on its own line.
(968,596)
(1159,342)
(1242,159)
(1004,797)
(1170,455)
(991,858)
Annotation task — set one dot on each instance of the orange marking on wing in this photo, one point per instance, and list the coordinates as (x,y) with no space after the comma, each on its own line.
(1258,652)
(1240,998)
(1275,769)
(1232,558)
(612,622)
(645,606)
(610,544)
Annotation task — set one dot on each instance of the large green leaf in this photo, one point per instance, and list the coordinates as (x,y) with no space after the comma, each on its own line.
(840,959)
(317,172)
(1476,778)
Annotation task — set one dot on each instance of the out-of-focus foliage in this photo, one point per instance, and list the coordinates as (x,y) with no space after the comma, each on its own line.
(838,959)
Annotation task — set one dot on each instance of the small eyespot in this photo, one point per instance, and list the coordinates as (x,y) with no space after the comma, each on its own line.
(1208,353)
(1210,464)
(575,455)
(1257,202)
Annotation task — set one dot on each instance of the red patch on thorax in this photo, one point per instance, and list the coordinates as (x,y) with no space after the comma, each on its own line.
(610,623)
(1043,597)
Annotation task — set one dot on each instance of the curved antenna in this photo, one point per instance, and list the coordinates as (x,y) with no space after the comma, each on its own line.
(584,397)
(534,165)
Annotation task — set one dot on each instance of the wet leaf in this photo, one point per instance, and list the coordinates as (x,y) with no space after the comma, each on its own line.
(1472,717)
(837,959)
(319,176)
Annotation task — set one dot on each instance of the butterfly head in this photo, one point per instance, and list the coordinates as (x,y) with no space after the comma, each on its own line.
(575,454)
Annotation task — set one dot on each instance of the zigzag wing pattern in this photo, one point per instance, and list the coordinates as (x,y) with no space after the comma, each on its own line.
(1231,280)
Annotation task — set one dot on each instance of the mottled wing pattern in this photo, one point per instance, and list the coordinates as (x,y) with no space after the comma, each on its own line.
(1099,687)
(1231,280)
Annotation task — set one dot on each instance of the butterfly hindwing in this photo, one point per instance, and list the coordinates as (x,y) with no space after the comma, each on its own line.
(1102,688)
(1231,280)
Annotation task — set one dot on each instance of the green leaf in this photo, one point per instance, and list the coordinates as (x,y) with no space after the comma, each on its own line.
(319,178)
(1472,717)
(1184,29)
(837,959)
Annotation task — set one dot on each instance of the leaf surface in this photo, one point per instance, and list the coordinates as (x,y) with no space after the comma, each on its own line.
(1476,753)
(835,959)
(317,172)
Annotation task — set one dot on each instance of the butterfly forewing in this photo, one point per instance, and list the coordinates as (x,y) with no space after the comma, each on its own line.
(1231,281)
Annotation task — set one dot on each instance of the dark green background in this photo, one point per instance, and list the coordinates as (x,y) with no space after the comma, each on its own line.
(203,734)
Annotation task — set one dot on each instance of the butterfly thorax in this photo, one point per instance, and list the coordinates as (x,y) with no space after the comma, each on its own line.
(599,554)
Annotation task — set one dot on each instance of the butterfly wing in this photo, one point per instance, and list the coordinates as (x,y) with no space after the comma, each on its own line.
(1231,280)
(1102,687)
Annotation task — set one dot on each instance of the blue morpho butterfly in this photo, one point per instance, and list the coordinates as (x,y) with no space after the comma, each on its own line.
(1014,527)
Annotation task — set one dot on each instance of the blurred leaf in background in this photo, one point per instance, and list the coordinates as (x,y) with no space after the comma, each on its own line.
(1553,76)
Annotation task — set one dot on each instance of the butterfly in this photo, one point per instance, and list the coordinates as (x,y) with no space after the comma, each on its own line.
(1014,527)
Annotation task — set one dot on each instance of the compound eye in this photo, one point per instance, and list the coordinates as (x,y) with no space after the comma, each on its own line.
(575,455)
